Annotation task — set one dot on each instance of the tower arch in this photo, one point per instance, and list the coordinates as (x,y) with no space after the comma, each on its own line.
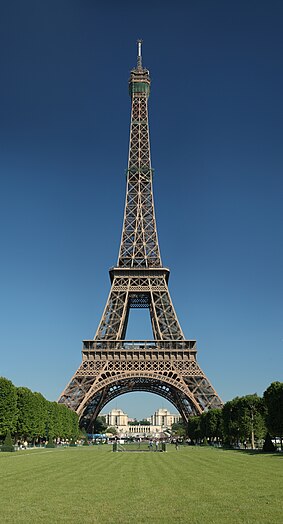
(169,386)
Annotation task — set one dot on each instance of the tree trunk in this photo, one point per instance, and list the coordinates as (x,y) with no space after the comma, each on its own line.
(253,434)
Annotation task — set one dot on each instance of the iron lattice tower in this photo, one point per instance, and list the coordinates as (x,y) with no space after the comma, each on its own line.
(112,365)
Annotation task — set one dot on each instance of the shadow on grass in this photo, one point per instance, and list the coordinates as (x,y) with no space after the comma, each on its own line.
(277,454)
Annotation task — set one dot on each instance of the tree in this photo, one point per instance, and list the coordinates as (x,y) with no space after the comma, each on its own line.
(53,425)
(74,424)
(273,398)
(211,424)
(251,418)
(268,445)
(194,428)
(41,415)
(8,407)
(99,425)
(8,444)
(230,419)
(27,417)
(65,421)
(32,416)
(178,428)
(133,422)
(244,419)
(203,425)
(214,424)
(111,430)
(69,423)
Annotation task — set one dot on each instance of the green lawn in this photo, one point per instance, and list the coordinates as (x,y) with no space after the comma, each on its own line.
(95,485)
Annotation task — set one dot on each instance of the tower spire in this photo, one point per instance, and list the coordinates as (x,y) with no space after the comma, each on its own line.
(139,58)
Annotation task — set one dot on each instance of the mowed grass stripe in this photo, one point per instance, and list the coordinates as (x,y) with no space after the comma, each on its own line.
(94,485)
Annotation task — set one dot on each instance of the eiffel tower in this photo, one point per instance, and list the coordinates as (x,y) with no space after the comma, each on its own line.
(111,364)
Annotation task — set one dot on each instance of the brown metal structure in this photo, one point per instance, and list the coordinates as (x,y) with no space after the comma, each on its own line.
(112,365)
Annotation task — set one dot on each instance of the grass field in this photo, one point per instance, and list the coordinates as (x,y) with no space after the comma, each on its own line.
(95,485)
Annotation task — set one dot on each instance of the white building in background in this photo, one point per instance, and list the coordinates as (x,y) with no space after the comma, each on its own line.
(162,417)
(116,418)
(158,423)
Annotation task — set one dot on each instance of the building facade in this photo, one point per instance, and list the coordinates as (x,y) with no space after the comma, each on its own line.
(116,418)
(158,423)
(162,417)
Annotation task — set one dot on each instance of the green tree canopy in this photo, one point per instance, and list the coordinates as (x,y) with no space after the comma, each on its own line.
(111,430)
(31,416)
(252,418)
(99,425)
(178,428)
(74,418)
(53,423)
(27,423)
(244,419)
(230,419)
(214,424)
(8,407)
(41,414)
(8,443)
(273,399)
(211,424)
(194,428)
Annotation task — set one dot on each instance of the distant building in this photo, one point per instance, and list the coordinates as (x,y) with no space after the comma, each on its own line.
(159,422)
(116,418)
(162,417)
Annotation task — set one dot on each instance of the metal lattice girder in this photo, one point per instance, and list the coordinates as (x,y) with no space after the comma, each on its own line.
(112,365)
(169,368)
(136,290)
(139,243)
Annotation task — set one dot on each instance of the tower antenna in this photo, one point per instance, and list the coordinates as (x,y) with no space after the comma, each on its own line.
(139,59)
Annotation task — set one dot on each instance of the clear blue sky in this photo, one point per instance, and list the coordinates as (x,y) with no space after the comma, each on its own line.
(216,117)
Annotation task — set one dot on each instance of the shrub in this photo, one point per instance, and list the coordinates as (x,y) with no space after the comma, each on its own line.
(50,444)
(8,444)
(268,444)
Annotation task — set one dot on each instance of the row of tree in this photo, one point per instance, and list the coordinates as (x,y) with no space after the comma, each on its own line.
(244,420)
(29,416)
(142,422)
